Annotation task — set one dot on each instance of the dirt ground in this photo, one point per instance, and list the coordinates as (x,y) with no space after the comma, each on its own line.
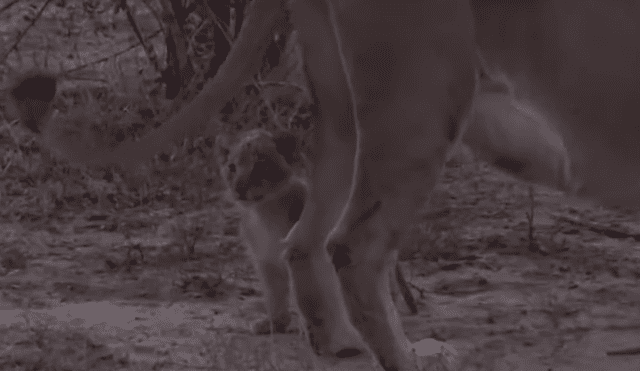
(118,290)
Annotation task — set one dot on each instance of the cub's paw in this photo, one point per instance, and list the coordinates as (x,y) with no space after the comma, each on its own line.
(267,326)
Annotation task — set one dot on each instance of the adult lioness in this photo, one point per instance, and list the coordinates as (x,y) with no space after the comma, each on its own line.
(264,174)
(393,83)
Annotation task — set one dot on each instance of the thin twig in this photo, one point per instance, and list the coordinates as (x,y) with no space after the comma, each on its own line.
(148,49)
(12,3)
(600,228)
(534,246)
(221,26)
(112,55)
(24,32)
(282,84)
(420,290)
(624,352)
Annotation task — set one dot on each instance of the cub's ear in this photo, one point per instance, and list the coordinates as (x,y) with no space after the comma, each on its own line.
(287,145)
(31,96)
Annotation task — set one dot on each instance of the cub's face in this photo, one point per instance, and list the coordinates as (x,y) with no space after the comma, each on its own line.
(255,164)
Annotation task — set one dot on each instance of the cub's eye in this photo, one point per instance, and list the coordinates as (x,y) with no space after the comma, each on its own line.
(232,168)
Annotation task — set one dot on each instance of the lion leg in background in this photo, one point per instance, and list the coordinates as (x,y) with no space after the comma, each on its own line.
(414,85)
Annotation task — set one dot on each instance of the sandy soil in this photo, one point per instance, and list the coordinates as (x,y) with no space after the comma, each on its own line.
(80,291)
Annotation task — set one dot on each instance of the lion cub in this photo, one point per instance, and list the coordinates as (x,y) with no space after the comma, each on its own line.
(265,176)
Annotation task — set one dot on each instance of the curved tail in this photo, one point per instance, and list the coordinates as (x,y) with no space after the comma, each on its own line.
(242,63)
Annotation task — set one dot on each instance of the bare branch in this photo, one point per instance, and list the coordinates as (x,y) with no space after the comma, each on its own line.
(11,3)
(148,49)
(85,65)
(3,59)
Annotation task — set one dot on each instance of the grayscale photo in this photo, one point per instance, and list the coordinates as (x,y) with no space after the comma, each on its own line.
(322,185)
